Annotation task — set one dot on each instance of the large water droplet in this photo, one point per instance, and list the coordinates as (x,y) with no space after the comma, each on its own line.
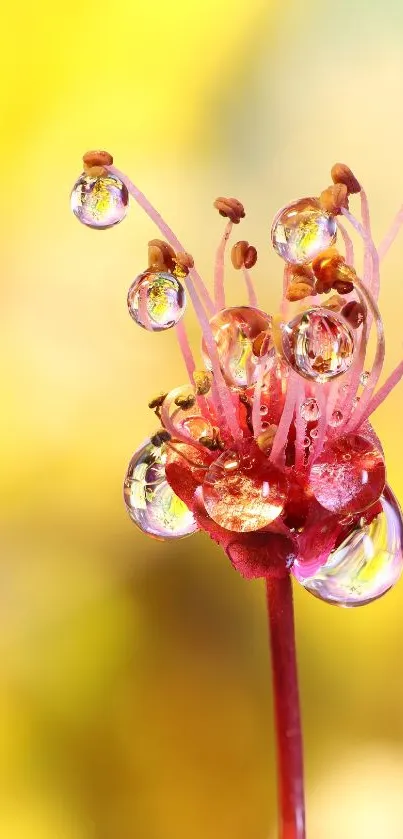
(302,230)
(349,475)
(149,499)
(241,498)
(234,332)
(99,202)
(318,344)
(367,563)
(156,300)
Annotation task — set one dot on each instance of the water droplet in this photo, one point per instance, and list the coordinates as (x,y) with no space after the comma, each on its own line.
(156,300)
(149,499)
(336,419)
(318,345)
(314,433)
(307,442)
(241,499)
(264,410)
(367,563)
(364,378)
(99,202)
(234,332)
(302,230)
(185,414)
(310,410)
(349,475)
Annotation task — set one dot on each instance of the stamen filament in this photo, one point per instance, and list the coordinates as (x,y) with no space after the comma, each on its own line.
(390,237)
(219,288)
(252,296)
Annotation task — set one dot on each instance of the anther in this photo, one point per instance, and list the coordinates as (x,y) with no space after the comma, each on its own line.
(185,402)
(161,256)
(342,174)
(202,380)
(96,161)
(354,313)
(160,437)
(230,208)
(334,199)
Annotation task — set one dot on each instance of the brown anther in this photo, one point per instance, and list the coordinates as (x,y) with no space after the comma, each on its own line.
(343,286)
(334,198)
(238,253)
(302,273)
(184,262)
(230,208)
(185,402)
(329,267)
(161,256)
(158,401)
(265,440)
(210,443)
(298,291)
(96,161)
(262,344)
(354,313)
(342,174)
(250,257)
(162,436)
(202,380)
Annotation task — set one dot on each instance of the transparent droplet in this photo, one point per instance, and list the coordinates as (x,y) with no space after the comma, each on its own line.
(364,378)
(319,345)
(307,442)
(314,433)
(264,410)
(367,563)
(234,331)
(244,499)
(149,499)
(185,414)
(349,475)
(99,202)
(302,230)
(310,410)
(336,419)
(156,300)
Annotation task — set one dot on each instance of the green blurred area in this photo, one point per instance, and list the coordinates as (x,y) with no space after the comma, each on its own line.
(135,698)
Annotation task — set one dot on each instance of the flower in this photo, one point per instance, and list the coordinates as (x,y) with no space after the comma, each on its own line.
(269,448)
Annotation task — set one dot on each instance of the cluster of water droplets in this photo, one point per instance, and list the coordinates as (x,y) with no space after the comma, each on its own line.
(249,483)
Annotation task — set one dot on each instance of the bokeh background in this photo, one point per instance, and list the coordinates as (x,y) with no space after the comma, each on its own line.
(135,698)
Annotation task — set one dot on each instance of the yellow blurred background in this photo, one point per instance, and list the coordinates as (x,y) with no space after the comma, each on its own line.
(135,697)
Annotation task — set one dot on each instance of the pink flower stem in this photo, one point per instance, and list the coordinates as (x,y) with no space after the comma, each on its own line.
(286,707)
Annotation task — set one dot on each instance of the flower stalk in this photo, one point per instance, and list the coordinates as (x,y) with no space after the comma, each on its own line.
(286,708)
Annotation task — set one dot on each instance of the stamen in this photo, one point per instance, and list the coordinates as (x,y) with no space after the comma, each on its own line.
(219,290)
(252,296)
(366,298)
(385,390)
(390,237)
(257,399)
(185,348)
(281,438)
(166,231)
(348,243)
(300,427)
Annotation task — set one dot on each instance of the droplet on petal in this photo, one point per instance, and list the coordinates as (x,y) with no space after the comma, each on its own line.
(310,410)
(366,563)
(336,419)
(234,331)
(364,378)
(302,230)
(349,475)
(149,499)
(156,300)
(242,499)
(319,345)
(99,202)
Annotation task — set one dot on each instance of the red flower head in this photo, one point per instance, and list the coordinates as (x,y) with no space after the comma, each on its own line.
(269,448)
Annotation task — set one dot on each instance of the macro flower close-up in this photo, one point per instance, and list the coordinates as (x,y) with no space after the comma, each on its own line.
(267,444)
